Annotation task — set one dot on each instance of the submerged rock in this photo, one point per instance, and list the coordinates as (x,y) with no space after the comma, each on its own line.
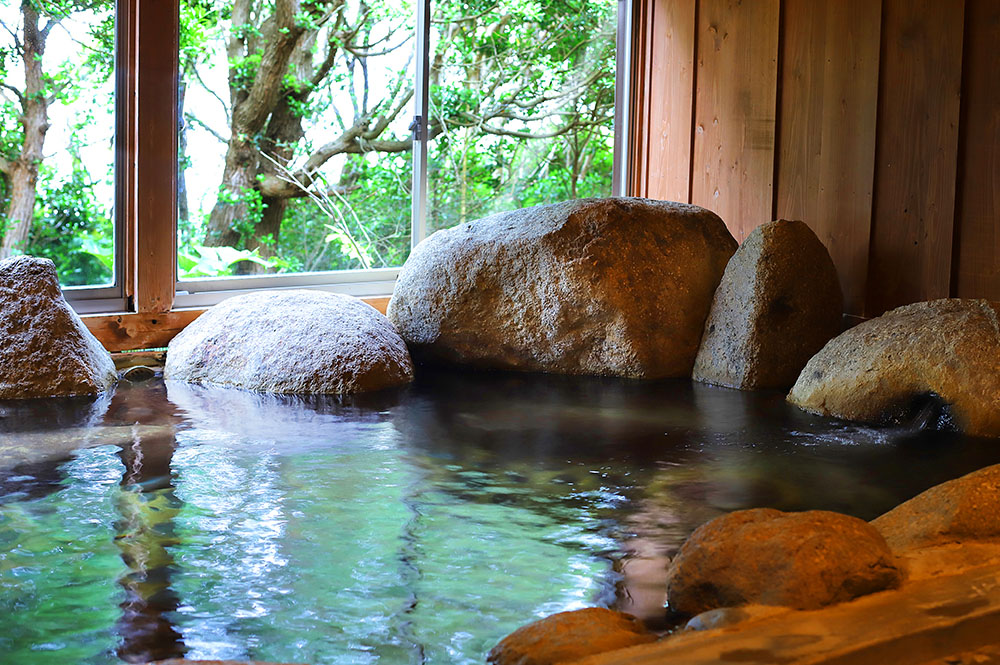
(569,636)
(45,349)
(293,342)
(964,509)
(778,303)
(942,355)
(799,560)
(616,286)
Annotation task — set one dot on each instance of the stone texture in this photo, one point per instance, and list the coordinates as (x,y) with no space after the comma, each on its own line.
(964,509)
(292,342)
(45,349)
(616,286)
(569,636)
(890,368)
(778,303)
(726,617)
(800,560)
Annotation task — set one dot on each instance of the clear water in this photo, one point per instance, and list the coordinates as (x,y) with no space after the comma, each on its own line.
(419,526)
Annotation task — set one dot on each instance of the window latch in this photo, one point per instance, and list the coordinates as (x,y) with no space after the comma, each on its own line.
(417,127)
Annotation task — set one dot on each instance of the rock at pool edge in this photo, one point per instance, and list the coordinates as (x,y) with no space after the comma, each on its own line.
(569,636)
(946,350)
(763,556)
(45,349)
(778,303)
(616,287)
(291,342)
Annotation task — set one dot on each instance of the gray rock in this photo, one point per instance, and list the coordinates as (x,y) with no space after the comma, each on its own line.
(964,509)
(293,342)
(884,370)
(725,617)
(799,560)
(569,636)
(778,303)
(45,349)
(616,286)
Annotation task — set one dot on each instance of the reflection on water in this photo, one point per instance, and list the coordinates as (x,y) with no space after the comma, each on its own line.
(417,526)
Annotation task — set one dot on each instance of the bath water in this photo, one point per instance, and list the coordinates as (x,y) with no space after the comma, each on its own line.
(415,526)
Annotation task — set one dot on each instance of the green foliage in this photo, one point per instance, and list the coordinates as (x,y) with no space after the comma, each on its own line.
(200,261)
(74,230)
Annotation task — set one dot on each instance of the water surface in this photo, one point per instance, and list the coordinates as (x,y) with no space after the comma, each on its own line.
(416,526)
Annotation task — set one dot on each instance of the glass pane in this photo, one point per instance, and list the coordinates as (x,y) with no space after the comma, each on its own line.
(57,124)
(295,152)
(522,105)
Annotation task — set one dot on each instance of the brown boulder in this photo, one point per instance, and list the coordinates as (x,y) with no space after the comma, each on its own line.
(882,370)
(291,342)
(967,508)
(569,636)
(799,560)
(45,349)
(778,303)
(617,286)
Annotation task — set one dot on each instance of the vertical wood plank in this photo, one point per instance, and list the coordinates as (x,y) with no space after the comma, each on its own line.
(156,156)
(826,142)
(671,99)
(639,103)
(978,238)
(916,155)
(733,155)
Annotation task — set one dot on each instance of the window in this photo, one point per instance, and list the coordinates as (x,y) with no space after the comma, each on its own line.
(57,129)
(297,150)
(199,148)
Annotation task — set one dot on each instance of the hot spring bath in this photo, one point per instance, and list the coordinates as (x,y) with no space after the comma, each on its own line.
(418,526)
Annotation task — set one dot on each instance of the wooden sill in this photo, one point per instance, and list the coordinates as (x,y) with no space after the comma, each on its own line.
(138,330)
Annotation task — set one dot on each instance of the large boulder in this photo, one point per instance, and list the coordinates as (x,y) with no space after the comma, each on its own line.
(292,342)
(569,636)
(617,286)
(960,510)
(778,303)
(45,350)
(799,560)
(892,367)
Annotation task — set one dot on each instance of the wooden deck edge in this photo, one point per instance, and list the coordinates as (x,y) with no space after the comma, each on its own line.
(923,621)
(130,331)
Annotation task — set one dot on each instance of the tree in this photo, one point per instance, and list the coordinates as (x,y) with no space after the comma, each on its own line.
(21,173)
(501,71)
(22,149)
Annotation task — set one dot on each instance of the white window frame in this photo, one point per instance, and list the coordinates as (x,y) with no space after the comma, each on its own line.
(380,282)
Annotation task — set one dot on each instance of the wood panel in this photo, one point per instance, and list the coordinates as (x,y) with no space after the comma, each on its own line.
(826,143)
(156,157)
(144,330)
(977,273)
(735,100)
(671,100)
(641,82)
(916,156)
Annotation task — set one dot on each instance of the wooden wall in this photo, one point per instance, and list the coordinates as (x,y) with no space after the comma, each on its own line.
(875,122)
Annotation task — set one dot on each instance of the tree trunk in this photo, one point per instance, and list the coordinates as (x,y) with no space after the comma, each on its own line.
(252,107)
(23,172)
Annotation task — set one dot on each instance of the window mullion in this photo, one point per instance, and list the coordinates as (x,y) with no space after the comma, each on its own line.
(421,124)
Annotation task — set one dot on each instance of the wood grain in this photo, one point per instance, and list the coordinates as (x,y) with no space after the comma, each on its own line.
(671,100)
(978,210)
(641,82)
(733,156)
(150,330)
(826,142)
(156,158)
(916,156)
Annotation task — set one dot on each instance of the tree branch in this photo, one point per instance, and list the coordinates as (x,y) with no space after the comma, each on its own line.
(6,166)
